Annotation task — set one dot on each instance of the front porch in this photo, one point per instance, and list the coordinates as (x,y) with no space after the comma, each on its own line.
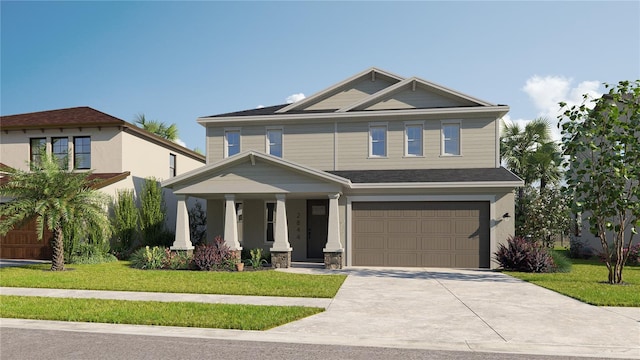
(260,201)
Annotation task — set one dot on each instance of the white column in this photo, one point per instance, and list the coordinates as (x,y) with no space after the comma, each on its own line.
(183,237)
(281,236)
(231,223)
(333,231)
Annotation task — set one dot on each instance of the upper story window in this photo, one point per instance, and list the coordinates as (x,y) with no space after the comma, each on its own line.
(37,148)
(413,139)
(451,138)
(60,149)
(274,141)
(377,140)
(231,142)
(172,165)
(270,221)
(82,152)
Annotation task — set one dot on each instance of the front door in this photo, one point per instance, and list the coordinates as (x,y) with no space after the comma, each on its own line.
(317,224)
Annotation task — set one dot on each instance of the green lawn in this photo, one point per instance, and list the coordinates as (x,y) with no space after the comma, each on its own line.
(222,316)
(121,277)
(587,282)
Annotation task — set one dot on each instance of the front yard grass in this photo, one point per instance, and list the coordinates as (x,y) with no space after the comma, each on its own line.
(587,282)
(119,276)
(221,316)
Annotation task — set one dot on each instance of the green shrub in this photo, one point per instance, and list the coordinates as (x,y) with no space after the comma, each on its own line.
(256,260)
(148,258)
(560,262)
(179,260)
(125,220)
(152,213)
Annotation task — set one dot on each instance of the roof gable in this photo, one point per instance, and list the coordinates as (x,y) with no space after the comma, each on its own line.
(352,89)
(415,93)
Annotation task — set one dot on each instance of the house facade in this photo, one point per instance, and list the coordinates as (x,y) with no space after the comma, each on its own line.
(376,170)
(119,154)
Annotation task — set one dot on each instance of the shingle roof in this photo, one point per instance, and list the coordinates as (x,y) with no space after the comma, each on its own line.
(77,116)
(427,175)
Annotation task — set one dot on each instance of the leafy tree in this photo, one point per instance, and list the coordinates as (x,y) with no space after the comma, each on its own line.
(57,198)
(169,132)
(548,213)
(125,219)
(152,212)
(603,147)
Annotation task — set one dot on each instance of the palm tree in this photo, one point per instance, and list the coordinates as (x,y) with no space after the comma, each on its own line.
(517,146)
(56,198)
(169,132)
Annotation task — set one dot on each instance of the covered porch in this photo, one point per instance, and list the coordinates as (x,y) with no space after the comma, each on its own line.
(256,200)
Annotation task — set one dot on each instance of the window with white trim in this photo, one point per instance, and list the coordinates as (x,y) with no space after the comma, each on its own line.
(451,138)
(274,141)
(377,140)
(270,221)
(413,139)
(173,170)
(231,142)
(239,218)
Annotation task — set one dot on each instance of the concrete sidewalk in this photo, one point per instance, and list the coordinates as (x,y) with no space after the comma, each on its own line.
(443,309)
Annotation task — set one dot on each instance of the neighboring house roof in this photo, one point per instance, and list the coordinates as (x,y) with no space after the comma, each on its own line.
(101,179)
(79,117)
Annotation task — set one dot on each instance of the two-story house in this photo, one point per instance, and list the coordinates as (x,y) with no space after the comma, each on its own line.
(376,170)
(120,154)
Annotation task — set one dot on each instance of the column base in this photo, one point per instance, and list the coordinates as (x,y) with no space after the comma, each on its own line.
(280,259)
(333,260)
(182,249)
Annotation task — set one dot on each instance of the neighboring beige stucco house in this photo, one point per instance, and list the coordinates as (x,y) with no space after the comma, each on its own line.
(119,153)
(376,170)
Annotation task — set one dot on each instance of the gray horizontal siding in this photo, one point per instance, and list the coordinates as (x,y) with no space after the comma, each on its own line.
(359,91)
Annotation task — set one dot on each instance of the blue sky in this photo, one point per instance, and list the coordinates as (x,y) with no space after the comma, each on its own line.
(177,61)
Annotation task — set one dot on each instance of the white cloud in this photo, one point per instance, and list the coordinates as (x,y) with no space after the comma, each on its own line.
(295,98)
(180,142)
(546,92)
(259,106)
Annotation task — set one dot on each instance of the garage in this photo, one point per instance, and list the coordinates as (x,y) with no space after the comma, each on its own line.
(22,243)
(421,234)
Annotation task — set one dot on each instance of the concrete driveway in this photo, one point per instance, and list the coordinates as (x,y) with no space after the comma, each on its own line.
(480,310)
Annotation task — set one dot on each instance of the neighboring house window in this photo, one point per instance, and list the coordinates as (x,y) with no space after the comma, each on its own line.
(232,142)
(270,221)
(451,138)
(172,165)
(37,148)
(239,206)
(377,140)
(60,149)
(82,152)
(274,142)
(413,139)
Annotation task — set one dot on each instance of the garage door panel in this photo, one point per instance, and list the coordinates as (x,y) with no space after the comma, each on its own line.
(436,243)
(438,234)
(369,243)
(402,226)
(403,244)
(403,259)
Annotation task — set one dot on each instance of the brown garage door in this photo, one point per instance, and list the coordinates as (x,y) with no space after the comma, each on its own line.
(22,243)
(422,234)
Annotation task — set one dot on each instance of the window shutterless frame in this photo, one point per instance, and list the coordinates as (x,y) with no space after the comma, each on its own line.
(60,151)
(232,138)
(37,147)
(413,139)
(377,140)
(450,138)
(274,141)
(173,166)
(269,221)
(82,152)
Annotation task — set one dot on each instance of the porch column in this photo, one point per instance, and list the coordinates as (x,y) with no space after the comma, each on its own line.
(231,224)
(281,249)
(182,240)
(333,250)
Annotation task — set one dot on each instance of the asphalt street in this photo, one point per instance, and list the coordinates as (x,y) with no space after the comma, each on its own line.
(52,344)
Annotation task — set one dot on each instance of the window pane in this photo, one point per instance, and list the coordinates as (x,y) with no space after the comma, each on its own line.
(270,211)
(60,148)
(233,142)
(275,142)
(38,147)
(172,165)
(270,223)
(451,134)
(270,236)
(414,140)
(82,152)
(378,141)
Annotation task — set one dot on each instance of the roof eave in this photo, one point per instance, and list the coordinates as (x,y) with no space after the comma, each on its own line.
(438,185)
